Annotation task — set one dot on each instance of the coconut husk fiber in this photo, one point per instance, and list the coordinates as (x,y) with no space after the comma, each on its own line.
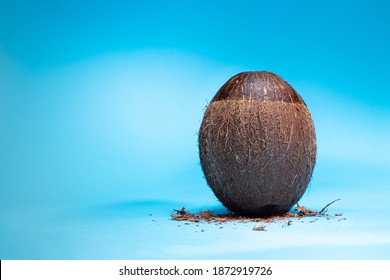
(257,145)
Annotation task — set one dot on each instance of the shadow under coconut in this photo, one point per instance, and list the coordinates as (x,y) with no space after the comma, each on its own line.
(216,210)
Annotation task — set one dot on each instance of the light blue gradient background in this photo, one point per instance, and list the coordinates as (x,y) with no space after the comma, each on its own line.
(100,103)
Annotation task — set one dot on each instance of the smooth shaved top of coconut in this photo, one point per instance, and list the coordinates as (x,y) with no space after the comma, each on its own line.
(258,85)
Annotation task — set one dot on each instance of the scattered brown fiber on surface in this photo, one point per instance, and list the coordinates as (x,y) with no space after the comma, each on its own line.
(299,212)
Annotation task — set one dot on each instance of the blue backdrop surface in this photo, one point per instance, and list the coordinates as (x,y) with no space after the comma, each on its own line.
(100,103)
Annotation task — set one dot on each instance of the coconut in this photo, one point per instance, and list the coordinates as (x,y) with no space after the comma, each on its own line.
(257,145)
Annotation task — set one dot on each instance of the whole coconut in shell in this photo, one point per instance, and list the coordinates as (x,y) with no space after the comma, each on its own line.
(257,145)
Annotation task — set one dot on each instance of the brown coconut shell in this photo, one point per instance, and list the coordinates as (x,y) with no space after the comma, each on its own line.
(257,145)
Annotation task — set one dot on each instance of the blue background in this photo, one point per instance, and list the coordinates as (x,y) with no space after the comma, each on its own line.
(100,103)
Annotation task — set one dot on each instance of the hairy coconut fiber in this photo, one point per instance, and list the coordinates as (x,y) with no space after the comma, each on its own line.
(257,145)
